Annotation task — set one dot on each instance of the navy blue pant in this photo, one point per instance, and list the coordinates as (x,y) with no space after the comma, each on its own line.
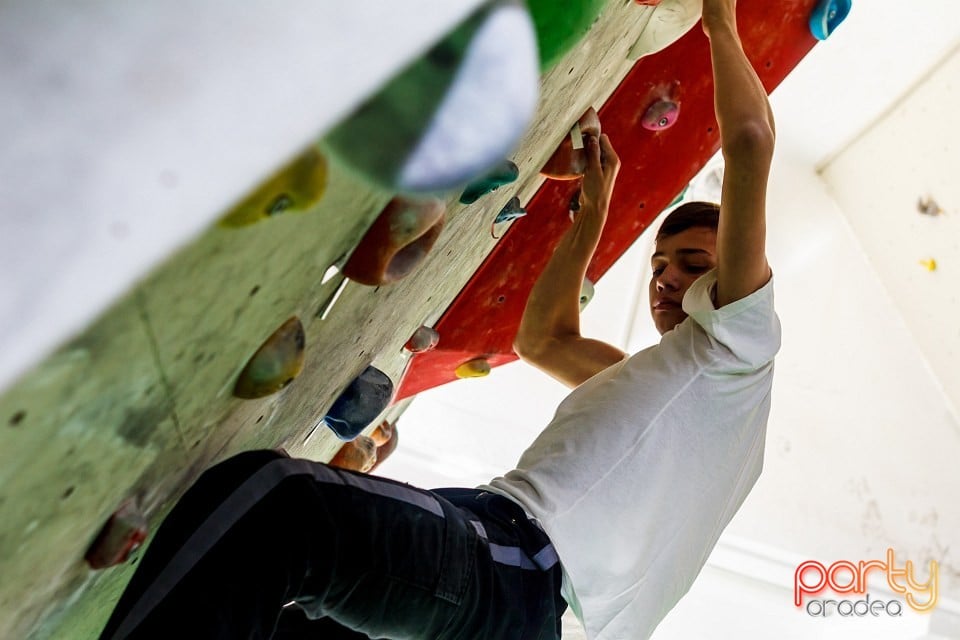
(265,546)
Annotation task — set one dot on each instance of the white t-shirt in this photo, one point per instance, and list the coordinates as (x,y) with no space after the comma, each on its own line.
(644,464)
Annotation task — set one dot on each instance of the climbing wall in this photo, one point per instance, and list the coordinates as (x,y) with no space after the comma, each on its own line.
(133,408)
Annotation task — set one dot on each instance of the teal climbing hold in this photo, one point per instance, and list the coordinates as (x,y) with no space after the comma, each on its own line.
(827,16)
(504,173)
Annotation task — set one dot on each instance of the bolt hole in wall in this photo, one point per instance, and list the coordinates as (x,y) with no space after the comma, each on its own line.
(17,418)
(501,298)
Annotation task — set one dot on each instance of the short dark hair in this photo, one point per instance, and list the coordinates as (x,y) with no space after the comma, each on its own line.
(689,215)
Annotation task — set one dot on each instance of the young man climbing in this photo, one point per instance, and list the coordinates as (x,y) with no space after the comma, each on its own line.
(648,459)
(613,509)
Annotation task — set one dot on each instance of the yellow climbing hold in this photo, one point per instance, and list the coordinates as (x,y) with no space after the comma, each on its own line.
(477,368)
(296,187)
(930,264)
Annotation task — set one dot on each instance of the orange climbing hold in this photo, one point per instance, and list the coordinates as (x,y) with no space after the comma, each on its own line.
(397,242)
(275,364)
(365,453)
(569,161)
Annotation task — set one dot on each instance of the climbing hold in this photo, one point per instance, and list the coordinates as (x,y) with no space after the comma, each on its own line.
(476,368)
(399,239)
(386,438)
(295,187)
(648,3)
(383,433)
(827,16)
(569,161)
(360,403)
(123,533)
(423,339)
(929,263)
(661,115)
(275,364)
(453,113)
(511,211)
(561,25)
(586,293)
(670,20)
(928,206)
(360,454)
(504,173)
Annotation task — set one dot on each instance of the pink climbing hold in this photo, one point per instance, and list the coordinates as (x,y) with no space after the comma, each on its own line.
(660,115)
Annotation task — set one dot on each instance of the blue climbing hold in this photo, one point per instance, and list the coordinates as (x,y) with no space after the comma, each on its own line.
(827,16)
(360,403)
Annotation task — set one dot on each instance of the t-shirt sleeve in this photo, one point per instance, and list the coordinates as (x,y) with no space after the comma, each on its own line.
(749,328)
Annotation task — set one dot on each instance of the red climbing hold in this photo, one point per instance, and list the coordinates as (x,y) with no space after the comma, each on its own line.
(397,242)
(120,536)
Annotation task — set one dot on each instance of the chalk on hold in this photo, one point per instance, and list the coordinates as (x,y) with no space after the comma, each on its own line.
(123,533)
(827,16)
(504,173)
(476,368)
(296,187)
(586,293)
(398,240)
(660,115)
(360,403)
(452,114)
(275,364)
(423,339)
(569,161)
(561,25)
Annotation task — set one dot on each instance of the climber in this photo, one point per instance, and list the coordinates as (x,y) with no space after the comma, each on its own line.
(613,509)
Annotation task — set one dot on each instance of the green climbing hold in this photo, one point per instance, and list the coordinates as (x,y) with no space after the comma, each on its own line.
(561,25)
